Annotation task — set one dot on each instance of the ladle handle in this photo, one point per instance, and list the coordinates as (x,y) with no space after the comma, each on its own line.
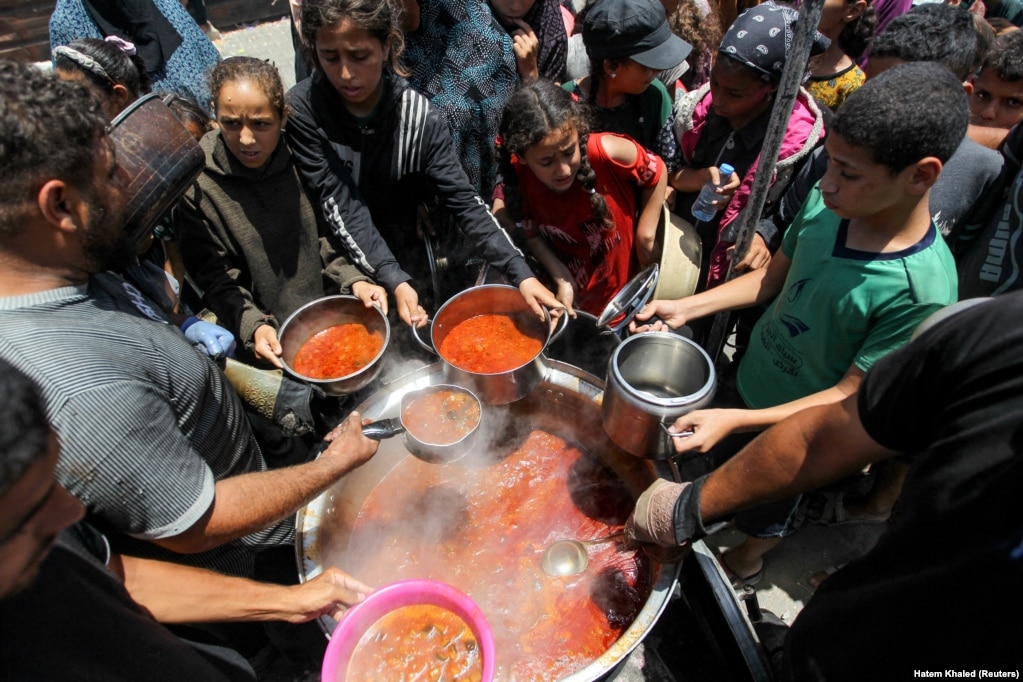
(385,428)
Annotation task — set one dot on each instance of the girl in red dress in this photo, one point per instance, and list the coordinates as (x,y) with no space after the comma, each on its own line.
(588,204)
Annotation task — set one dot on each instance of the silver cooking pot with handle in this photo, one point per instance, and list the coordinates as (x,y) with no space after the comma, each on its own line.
(653,379)
(498,388)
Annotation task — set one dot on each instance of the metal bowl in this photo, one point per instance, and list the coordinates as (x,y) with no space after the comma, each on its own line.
(321,314)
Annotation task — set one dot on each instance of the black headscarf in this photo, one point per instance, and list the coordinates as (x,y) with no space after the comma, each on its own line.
(141,22)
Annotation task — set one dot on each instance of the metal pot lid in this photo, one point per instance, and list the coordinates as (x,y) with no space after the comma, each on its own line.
(630,299)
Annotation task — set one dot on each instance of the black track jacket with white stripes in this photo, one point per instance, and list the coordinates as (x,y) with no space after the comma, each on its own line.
(401,157)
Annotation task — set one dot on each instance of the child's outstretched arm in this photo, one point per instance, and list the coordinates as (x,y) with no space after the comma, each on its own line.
(757,286)
(708,427)
(564,290)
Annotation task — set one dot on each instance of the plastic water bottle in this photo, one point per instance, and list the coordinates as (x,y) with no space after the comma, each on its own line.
(703,209)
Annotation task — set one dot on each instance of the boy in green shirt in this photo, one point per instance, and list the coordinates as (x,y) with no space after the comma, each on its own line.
(862,265)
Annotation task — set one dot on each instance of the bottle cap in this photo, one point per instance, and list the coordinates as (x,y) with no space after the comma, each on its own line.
(726,169)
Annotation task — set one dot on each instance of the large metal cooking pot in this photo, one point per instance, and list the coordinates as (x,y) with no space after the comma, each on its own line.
(498,388)
(566,404)
(652,380)
(160,158)
(321,314)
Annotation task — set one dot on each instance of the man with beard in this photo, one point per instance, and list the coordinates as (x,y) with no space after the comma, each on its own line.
(110,603)
(155,443)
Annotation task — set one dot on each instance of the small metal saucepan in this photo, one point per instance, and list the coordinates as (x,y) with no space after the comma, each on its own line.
(439,424)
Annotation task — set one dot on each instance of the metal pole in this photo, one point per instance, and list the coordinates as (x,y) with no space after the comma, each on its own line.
(785,100)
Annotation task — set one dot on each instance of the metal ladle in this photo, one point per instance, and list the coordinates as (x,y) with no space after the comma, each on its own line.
(569,557)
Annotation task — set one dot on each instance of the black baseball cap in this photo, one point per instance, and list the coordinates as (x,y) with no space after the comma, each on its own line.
(637,29)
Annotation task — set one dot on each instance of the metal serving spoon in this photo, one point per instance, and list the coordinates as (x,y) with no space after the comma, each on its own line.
(569,557)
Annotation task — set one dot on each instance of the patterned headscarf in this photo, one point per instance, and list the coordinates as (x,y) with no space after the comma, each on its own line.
(761,38)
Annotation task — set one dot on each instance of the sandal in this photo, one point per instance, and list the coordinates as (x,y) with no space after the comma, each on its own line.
(739,582)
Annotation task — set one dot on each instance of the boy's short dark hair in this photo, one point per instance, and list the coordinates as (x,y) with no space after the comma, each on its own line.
(24,427)
(932,32)
(1006,57)
(908,112)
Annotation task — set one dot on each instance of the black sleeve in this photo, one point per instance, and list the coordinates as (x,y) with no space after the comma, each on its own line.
(470,211)
(335,194)
(772,227)
(952,377)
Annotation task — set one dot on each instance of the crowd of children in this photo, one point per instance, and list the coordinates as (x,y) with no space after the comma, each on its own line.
(452,126)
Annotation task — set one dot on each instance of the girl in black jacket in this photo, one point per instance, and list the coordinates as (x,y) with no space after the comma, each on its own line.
(360,134)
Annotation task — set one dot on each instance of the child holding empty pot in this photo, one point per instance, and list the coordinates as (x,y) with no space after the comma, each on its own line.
(251,239)
(589,204)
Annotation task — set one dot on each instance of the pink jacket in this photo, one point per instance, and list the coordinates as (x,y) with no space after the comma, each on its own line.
(804,132)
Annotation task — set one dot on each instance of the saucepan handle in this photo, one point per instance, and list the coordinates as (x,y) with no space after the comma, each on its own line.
(559,324)
(385,428)
(673,434)
(427,346)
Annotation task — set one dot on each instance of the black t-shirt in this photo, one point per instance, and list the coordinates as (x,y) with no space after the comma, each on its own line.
(77,622)
(941,590)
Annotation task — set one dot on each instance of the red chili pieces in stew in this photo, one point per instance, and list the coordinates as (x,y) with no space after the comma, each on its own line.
(442,416)
(419,642)
(489,344)
(337,351)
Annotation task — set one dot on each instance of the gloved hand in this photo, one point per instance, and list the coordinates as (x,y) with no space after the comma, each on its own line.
(667,514)
(214,340)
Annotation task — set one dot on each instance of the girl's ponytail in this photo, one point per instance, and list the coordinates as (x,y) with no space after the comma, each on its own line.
(588,178)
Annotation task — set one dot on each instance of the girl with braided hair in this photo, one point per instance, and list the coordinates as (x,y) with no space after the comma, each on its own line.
(588,203)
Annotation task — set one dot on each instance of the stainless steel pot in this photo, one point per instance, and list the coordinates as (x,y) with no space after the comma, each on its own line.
(502,387)
(436,453)
(565,404)
(321,314)
(652,380)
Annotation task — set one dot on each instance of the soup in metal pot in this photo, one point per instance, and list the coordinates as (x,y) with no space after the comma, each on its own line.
(337,351)
(489,344)
(441,416)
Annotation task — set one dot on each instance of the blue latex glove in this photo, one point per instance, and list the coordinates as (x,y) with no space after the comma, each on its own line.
(214,340)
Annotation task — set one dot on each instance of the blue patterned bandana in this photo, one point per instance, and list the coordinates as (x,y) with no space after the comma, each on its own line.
(761,38)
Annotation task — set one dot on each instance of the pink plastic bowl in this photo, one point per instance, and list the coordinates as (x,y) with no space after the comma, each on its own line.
(363,615)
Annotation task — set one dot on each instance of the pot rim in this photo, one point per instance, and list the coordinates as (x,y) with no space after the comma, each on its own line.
(370,368)
(615,375)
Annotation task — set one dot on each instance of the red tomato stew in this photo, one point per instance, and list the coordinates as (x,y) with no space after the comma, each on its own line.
(483,529)
(337,351)
(441,416)
(489,344)
(419,642)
